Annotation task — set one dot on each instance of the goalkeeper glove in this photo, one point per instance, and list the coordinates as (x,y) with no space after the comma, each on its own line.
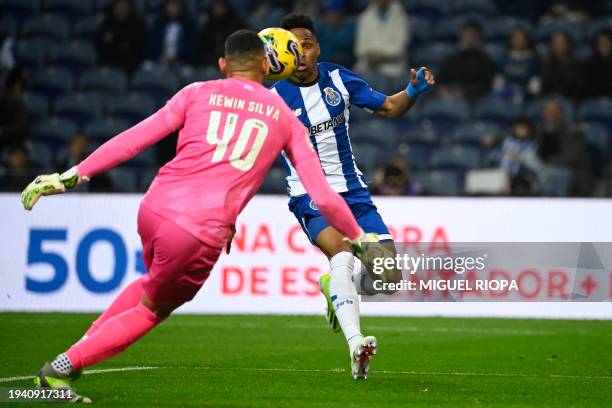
(49,184)
(368,248)
(417,85)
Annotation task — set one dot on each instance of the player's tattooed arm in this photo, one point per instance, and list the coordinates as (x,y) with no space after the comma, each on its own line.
(400,103)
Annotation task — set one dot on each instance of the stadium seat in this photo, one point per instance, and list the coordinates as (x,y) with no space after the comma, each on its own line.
(52,82)
(131,107)
(103,129)
(377,81)
(597,110)
(45,25)
(420,29)
(270,19)
(598,144)
(36,105)
(274,183)
(496,109)
(202,74)
(573,28)
(556,181)
(440,182)
(107,80)
(10,25)
(103,5)
(536,108)
(368,155)
(85,28)
(123,180)
(54,130)
(596,26)
(432,10)
(474,133)
(72,9)
(20,9)
(497,53)
(445,114)
(448,29)
(418,157)
(499,29)
(478,7)
(431,54)
(31,53)
(80,108)
(146,178)
(423,135)
(378,131)
(455,158)
(159,84)
(76,56)
(43,154)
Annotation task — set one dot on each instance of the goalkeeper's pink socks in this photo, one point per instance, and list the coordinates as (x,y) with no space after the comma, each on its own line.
(113,336)
(127,299)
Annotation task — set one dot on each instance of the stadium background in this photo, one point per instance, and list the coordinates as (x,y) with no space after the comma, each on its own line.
(75,73)
(73,76)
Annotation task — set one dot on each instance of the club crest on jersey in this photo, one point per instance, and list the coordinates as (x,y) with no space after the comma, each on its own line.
(331,96)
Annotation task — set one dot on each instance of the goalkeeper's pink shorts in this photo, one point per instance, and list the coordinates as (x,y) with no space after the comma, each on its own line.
(177,263)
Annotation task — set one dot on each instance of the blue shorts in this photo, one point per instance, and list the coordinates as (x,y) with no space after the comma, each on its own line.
(360,203)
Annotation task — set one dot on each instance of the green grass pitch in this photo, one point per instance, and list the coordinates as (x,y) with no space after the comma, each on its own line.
(290,361)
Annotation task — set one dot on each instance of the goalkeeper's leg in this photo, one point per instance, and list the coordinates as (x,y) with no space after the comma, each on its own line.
(181,264)
(132,294)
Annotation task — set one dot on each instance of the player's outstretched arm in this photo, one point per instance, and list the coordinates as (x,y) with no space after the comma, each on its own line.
(400,103)
(112,153)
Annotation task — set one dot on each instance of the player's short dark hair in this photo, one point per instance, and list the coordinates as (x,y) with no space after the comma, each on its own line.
(294,20)
(243,42)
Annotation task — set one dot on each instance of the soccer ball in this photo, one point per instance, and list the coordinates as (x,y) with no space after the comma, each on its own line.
(283,51)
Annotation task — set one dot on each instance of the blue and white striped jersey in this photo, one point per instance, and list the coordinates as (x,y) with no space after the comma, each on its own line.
(323,107)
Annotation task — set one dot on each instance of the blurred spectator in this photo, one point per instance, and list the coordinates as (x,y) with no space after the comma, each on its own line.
(77,151)
(562,144)
(121,36)
(395,179)
(222,21)
(307,7)
(469,72)
(336,34)
(13,115)
(519,157)
(18,171)
(383,31)
(7,52)
(597,70)
(520,67)
(561,68)
(171,39)
(567,10)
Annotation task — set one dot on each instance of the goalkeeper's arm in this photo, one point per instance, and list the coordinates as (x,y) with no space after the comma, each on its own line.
(119,149)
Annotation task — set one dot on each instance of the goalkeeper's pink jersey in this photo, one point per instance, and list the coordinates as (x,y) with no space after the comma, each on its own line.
(231,131)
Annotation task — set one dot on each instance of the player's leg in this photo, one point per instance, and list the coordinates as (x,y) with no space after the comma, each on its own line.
(132,294)
(127,299)
(180,266)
